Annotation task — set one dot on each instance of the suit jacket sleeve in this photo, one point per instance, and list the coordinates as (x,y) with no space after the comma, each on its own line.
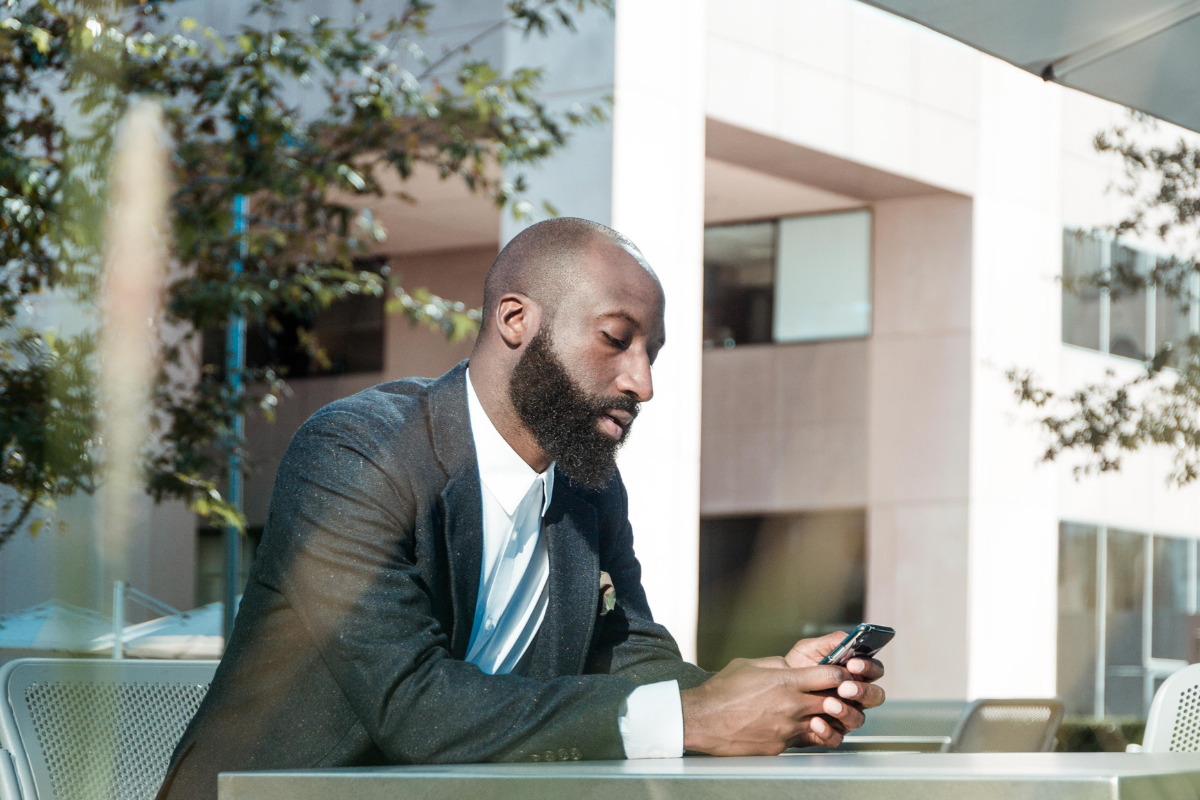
(339,546)
(630,643)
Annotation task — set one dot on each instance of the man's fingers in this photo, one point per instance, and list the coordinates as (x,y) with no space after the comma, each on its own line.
(817,679)
(867,669)
(866,695)
(850,717)
(837,725)
(827,642)
(824,731)
(808,652)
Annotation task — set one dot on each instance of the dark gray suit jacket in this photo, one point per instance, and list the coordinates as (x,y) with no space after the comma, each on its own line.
(349,643)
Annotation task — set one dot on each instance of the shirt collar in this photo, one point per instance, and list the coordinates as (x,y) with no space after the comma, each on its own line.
(501,470)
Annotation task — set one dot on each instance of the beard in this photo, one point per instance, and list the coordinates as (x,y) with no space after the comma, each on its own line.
(563,417)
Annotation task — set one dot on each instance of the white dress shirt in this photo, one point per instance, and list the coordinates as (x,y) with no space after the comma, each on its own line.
(514,590)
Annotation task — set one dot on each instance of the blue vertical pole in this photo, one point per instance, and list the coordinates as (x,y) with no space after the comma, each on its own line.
(235,361)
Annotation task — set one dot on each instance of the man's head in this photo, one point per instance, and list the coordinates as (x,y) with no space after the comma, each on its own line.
(572,321)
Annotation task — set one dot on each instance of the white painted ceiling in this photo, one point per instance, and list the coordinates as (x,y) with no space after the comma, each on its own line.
(733,193)
(447,216)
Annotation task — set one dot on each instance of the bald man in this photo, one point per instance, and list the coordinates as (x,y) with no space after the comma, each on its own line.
(447,571)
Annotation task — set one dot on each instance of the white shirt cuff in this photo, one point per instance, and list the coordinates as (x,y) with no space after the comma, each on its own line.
(651,721)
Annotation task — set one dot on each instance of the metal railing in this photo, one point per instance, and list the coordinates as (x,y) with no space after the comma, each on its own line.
(122,591)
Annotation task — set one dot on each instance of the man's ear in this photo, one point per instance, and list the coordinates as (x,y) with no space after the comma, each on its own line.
(517,318)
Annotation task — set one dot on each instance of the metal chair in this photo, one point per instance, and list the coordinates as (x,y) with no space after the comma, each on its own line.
(8,778)
(925,725)
(1174,722)
(1007,726)
(956,726)
(93,729)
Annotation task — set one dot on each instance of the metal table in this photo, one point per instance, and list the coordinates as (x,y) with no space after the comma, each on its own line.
(827,776)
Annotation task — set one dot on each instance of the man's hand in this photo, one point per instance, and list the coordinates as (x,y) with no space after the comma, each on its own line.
(760,706)
(809,652)
(763,706)
(859,692)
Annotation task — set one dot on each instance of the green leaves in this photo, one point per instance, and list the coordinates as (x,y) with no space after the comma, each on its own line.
(537,16)
(375,109)
(40,38)
(206,500)
(1101,422)
(47,421)
(453,318)
(1160,406)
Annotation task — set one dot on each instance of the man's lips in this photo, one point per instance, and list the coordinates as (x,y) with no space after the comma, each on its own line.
(622,418)
(615,422)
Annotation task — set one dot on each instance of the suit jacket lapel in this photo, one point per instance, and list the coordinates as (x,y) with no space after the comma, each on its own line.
(463,511)
(462,501)
(572,535)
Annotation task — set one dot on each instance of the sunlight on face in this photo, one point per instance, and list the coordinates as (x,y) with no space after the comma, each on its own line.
(609,330)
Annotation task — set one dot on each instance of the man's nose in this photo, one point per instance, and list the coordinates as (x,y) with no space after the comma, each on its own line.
(635,380)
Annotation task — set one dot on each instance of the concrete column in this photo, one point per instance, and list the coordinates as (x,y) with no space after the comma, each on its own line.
(918,412)
(643,174)
(1016,321)
(658,200)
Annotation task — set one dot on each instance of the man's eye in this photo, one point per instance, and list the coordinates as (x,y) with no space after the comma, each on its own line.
(615,342)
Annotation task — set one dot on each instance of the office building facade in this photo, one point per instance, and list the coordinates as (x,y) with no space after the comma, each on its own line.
(860,226)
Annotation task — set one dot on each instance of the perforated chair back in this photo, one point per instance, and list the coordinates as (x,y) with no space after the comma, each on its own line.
(1007,726)
(92,729)
(1174,722)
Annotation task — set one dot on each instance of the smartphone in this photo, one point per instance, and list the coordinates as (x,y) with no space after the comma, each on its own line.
(863,642)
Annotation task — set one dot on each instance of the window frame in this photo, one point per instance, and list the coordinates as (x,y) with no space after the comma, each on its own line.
(1151,669)
(1107,241)
(775,223)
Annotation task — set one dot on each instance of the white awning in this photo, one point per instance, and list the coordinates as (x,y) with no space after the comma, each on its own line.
(1144,54)
(189,634)
(53,625)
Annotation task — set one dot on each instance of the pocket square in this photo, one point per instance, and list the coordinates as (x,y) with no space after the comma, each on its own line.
(608,593)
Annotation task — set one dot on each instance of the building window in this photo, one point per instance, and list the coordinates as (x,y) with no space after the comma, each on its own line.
(798,279)
(349,333)
(739,283)
(1124,623)
(759,593)
(1174,594)
(210,562)
(1134,324)
(1127,612)
(1077,616)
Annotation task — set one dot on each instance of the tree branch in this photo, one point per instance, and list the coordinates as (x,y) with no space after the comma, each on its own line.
(10,529)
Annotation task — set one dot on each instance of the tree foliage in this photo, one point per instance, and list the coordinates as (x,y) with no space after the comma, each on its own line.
(1160,405)
(308,121)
